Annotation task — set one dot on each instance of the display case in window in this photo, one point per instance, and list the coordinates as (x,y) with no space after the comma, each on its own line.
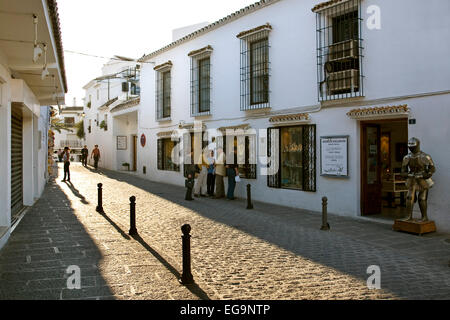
(291,157)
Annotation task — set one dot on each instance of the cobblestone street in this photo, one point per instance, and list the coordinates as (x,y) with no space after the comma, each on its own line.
(270,252)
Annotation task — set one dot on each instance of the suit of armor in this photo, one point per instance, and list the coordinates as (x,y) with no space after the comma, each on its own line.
(417,168)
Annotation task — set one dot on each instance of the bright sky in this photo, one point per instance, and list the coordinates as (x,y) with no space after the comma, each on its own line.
(128,28)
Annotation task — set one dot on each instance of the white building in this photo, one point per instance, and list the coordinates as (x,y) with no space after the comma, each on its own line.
(365,75)
(111,107)
(27,88)
(70,116)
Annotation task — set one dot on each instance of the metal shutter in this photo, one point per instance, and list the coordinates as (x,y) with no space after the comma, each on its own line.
(16,162)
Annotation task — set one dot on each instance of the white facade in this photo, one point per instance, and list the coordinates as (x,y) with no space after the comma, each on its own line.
(404,63)
(106,102)
(24,100)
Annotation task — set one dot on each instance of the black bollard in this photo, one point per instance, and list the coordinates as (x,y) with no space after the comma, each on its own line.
(186,277)
(99,204)
(133,229)
(249,197)
(325,225)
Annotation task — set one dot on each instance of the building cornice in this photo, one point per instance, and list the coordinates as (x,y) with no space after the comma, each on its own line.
(219,23)
(165,65)
(246,33)
(208,48)
(379,112)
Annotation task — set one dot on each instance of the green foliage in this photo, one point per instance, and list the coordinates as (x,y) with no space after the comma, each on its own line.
(80,129)
(58,125)
(103,125)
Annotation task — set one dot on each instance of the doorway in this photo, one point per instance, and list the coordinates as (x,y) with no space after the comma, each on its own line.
(383,146)
(134,153)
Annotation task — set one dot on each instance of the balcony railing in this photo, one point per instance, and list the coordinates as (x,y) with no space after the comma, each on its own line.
(71,143)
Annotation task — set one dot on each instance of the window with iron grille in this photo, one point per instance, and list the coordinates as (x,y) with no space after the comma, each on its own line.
(339,50)
(165,155)
(201,81)
(163,91)
(293,151)
(255,68)
(245,154)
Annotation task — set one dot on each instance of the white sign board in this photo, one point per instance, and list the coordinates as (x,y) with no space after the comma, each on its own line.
(121,143)
(334,156)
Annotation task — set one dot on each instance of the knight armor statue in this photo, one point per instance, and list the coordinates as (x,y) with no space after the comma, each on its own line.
(417,168)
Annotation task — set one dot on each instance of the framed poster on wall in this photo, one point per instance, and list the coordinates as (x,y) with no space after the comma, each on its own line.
(334,156)
(121,142)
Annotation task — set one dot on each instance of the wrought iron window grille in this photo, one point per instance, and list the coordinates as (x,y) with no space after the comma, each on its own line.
(201,83)
(163,91)
(307,166)
(339,51)
(255,68)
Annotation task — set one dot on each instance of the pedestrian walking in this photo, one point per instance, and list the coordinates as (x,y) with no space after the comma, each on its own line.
(220,172)
(190,177)
(96,155)
(200,186)
(66,159)
(60,155)
(232,173)
(210,180)
(84,155)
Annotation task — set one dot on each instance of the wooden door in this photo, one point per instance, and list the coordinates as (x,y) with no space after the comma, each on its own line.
(134,153)
(370,169)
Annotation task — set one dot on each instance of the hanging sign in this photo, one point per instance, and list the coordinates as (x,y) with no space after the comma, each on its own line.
(143,139)
(334,156)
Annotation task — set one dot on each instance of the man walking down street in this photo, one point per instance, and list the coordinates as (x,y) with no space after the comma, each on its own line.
(84,155)
(66,159)
(200,187)
(96,154)
(220,173)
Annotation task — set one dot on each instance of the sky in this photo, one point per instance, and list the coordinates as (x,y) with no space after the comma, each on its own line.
(129,28)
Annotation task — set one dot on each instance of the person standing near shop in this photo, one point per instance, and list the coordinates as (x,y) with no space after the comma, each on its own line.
(66,160)
(220,173)
(84,156)
(200,186)
(211,174)
(96,155)
(232,172)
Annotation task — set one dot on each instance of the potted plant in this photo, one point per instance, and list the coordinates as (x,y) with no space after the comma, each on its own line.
(126,164)
(103,125)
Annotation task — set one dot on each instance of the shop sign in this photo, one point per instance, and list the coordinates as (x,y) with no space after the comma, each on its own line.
(143,140)
(334,156)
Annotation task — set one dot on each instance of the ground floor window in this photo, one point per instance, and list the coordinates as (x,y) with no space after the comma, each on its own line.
(295,156)
(247,154)
(165,156)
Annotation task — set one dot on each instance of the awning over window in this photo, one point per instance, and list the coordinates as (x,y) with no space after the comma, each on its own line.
(327,4)
(126,104)
(399,111)
(290,118)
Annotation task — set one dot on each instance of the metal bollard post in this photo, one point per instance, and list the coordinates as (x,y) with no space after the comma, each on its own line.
(249,197)
(186,277)
(99,204)
(133,229)
(325,225)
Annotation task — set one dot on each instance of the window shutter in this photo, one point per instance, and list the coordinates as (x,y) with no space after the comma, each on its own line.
(160,154)
(309,158)
(273,181)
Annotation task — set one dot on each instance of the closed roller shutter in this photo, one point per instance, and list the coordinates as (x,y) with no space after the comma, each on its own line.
(16,163)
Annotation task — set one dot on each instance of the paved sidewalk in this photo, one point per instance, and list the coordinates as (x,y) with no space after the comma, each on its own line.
(270,252)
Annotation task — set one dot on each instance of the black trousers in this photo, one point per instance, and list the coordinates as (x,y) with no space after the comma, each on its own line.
(84,160)
(210,182)
(96,162)
(67,170)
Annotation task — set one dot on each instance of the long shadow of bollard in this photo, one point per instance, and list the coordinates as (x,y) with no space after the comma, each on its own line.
(122,233)
(194,288)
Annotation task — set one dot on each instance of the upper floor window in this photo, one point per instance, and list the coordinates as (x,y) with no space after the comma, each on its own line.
(255,68)
(339,50)
(163,91)
(201,81)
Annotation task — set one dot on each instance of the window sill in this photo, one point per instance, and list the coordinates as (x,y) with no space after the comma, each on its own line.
(201,114)
(164,119)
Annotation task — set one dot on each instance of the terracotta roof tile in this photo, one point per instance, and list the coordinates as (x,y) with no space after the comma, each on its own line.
(290,117)
(127,104)
(204,49)
(259,28)
(167,64)
(385,110)
(326,4)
